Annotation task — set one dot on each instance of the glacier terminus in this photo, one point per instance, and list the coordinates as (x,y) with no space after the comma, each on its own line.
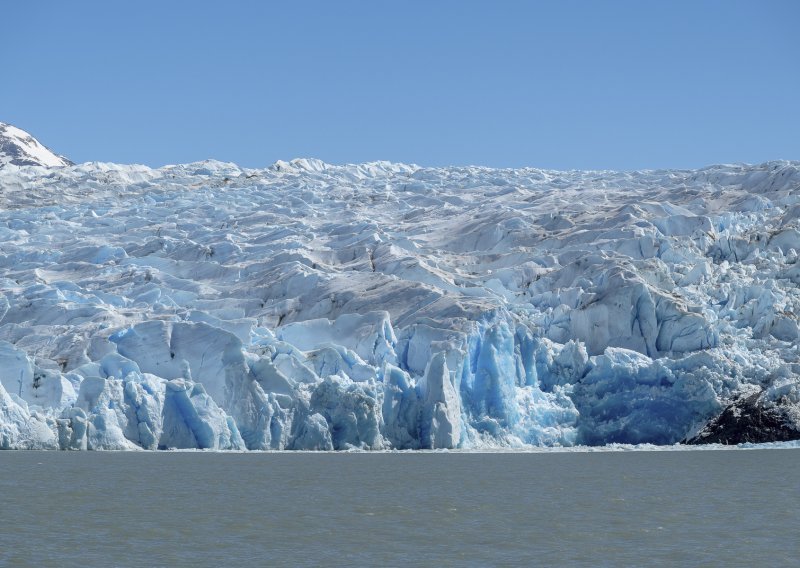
(309,306)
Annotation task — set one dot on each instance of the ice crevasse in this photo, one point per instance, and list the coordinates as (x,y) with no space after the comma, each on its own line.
(377,306)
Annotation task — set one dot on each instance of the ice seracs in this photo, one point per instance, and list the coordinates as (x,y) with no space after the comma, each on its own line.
(310,306)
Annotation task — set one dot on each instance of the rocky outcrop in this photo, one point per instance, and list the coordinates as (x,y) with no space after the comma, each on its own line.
(752,419)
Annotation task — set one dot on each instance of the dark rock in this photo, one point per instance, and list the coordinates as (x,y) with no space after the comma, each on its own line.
(752,419)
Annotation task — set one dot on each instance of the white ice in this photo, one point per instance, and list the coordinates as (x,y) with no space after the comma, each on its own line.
(388,306)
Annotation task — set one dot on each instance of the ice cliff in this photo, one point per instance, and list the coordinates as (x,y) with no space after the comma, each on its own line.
(378,306)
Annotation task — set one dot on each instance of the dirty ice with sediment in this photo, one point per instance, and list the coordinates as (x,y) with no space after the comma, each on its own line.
(309,306)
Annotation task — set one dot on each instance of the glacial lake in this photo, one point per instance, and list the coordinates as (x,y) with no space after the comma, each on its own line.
(700,507)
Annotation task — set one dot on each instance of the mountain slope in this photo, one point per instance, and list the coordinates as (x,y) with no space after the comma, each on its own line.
(19,148)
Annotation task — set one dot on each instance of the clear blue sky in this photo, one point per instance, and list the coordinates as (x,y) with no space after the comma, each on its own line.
(558,84)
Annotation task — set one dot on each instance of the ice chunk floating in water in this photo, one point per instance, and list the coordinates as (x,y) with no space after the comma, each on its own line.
(386,306)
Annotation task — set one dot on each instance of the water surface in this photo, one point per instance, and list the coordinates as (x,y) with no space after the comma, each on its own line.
(737,507)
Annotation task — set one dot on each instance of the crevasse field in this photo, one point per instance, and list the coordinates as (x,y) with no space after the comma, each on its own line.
(384,306)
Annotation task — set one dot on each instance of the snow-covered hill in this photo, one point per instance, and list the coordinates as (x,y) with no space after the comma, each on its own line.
(311,306)
(19,148)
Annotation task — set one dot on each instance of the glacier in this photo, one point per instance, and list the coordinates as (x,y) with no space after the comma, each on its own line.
(377,306)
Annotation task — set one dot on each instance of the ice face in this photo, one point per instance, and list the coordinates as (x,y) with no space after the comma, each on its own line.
(385,306)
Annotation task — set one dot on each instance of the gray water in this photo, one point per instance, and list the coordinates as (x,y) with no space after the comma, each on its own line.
(737,507)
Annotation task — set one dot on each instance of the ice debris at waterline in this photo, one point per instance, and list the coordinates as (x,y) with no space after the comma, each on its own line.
(315,307)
